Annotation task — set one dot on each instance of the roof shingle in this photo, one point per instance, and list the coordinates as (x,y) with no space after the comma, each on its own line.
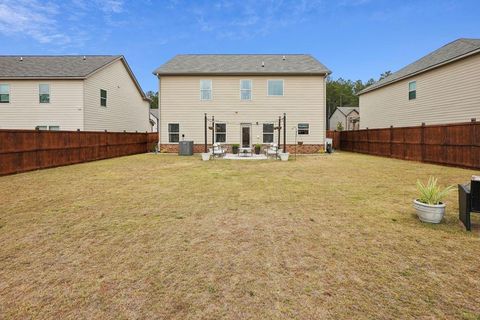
(446,53)
(230,64)
(44,67)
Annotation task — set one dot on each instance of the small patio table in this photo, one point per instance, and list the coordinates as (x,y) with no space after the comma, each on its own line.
(245,152)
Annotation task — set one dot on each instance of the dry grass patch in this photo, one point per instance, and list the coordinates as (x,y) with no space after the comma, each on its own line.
(176,238)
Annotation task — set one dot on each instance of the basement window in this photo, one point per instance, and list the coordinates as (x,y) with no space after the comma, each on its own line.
(173,132)
(412,90)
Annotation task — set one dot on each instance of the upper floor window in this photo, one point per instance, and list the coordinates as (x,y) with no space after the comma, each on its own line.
(173,132)
(44,93)
(205,89)
(220,132)
(268,132)
(4,93)
(303,128)
(412,90)
(103,98)
(275,87)
(246,89)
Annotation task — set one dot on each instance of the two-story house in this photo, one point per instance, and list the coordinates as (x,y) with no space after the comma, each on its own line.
(245,94)
(442,87)
(91,93)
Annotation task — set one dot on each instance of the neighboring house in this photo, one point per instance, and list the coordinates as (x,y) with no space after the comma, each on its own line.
(347,116)
(88,93)
(245,94)
(154,120)
(442,87)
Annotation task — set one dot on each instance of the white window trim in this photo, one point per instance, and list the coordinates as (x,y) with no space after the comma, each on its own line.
(413,81)
(39,93)
(272,133)
(221,132)
(283,88)
(251,89)
(211,90)
(298,129)
(173,132)
(9,94)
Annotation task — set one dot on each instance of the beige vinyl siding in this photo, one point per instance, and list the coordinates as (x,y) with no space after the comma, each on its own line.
(448,94)
(337,117)
(26,112)
(303,102)
(125,110)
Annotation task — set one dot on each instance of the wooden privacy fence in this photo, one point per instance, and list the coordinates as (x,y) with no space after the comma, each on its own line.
(450,144)
(25,150)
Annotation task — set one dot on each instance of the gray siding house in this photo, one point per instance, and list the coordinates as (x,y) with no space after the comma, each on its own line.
(442,87)
(91,93)
(245,94)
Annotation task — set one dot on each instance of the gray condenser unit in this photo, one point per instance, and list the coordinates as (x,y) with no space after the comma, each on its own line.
(185,148)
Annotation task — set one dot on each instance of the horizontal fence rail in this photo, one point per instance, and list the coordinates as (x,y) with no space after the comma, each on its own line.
(455,144)
(25,150)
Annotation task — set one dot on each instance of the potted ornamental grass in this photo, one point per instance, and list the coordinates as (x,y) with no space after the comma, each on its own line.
(430,206)
(235,147)
(258,147)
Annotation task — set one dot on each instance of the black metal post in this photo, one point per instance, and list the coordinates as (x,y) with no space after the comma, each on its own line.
(279,128)
(284,132)
(206,127)
(213,131)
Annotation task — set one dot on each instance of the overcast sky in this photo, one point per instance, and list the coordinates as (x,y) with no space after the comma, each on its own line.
(356,39)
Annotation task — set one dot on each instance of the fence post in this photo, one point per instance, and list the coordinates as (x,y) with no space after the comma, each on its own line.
(368,142)
(37,148)
(404,144)
(422,143)
(473,142)
(391,141)
(106,145)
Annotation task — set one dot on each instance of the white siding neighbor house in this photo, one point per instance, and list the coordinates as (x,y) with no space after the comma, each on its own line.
(346,117)
(88,93)
(442,87)
(246,95)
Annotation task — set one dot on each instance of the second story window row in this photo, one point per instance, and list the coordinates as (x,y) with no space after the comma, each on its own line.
(275,88)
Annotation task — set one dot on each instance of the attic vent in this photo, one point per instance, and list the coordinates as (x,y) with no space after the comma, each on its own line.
(263,64)
(284,58)
(21,58)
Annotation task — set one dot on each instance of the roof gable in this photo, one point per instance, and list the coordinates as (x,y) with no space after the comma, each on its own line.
(230,64)
(448,53)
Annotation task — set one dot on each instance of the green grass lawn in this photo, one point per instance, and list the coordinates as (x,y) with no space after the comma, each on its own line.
(159,236)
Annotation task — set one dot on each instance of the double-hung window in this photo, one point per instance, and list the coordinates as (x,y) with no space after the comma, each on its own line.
(173,132)
(4,93)
(303,128)
(205,89)
(268,132)
(44,93)
(412,90)
(220,132)
(246,89)
(103,98)
(275,87)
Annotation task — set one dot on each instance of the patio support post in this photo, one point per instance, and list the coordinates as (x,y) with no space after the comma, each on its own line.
(213,131)
(205,119)
(284,132)
(279,128)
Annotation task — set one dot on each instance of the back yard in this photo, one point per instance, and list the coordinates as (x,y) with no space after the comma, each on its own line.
(158,236)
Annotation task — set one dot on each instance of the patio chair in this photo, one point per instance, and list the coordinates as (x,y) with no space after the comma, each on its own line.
(218,150)
(468,201)
(272,150)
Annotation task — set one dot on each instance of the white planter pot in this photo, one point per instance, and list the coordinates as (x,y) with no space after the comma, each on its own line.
(284,156)
(205,156)
(429,213)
